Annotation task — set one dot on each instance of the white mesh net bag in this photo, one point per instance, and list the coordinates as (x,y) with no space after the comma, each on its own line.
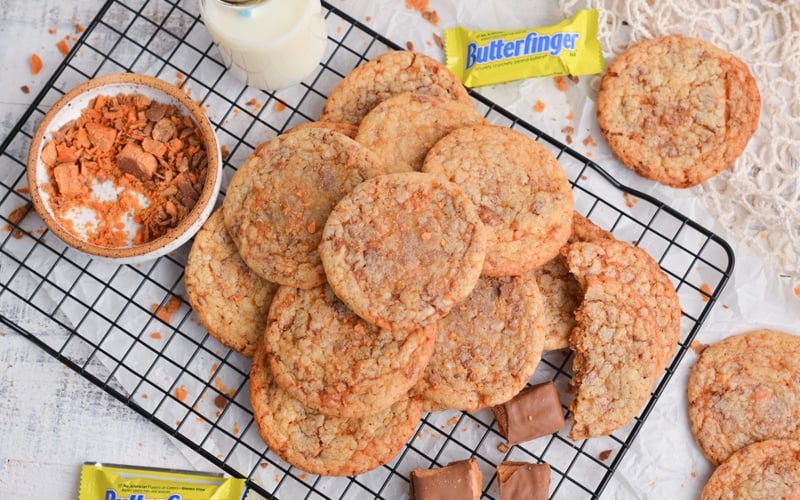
(758,199)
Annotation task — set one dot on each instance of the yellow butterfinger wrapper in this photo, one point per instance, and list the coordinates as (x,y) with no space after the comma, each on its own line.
(123,482)
(490,57)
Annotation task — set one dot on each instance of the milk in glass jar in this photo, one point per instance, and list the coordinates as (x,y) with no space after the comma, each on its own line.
(268,44)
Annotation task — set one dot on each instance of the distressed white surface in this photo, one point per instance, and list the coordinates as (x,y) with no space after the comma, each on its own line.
(51,419)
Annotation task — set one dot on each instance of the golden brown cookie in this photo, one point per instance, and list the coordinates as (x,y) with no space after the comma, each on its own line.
(765,470)
(278,201)
(615,342)
(343,128)
(386,76)
(585,230)
(319,444)
(335,362)
(488,346)
(560,290)
(523,195)
(745,389)
(632,265)
(402,129)
(677,110)
(229,299)
(402,249)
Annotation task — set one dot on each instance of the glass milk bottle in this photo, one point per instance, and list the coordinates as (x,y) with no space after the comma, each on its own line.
(268,44)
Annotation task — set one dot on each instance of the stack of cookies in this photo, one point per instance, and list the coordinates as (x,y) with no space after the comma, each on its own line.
(387,260)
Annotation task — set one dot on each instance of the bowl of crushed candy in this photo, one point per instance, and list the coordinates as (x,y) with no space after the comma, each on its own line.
(124,167)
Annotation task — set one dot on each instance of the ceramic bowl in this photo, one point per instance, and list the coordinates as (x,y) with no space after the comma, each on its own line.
(68,108)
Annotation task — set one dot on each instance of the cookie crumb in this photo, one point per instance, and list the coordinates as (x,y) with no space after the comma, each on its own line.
(14,218)
(165,313)
(224,151)
(410,46)
(438,41)
(698,347)
(279,106)
(181,393)
(63,47)
(36,64)
(561,83)
(18,213)
(156,335)
(603,455)
(25,89)
(431,16)
(539,106)
(421,6)
(254,104)
(568,131)
(630,201)
(502,448)
(589,141)
(705,290)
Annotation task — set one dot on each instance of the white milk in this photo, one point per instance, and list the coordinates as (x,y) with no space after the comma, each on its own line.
(269,44)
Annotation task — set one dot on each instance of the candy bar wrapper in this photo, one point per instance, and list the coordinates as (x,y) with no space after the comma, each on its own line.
(490,57)
(122,482)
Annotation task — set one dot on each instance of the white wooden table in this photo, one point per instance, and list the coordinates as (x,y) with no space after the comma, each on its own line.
(52,420)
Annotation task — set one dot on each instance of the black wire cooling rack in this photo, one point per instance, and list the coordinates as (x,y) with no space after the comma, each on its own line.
(130,330)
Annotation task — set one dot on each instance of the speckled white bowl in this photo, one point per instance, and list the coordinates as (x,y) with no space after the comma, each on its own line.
(68,108)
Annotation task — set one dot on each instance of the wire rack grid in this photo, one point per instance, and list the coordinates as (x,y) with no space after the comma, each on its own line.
(130,330)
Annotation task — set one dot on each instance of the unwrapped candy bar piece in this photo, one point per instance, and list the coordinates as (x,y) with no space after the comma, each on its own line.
(460,479)
(534,412)
(523,480)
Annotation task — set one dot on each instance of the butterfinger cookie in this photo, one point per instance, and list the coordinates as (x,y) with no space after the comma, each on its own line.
(335,362)
(488,346)
(386,76)
(523,195)
(560,290)
(632,265)
(402,129)
(402,249)
(745,389)
(677,110)
(278,201)
(761,471)
(319,444)
(229,299)
(347,129)
(615,357)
